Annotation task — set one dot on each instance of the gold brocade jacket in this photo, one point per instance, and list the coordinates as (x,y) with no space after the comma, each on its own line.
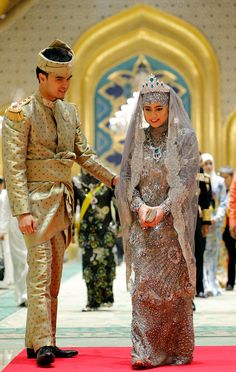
(40,145)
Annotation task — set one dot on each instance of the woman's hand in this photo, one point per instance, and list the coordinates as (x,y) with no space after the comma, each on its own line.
(157,219)
(142,212)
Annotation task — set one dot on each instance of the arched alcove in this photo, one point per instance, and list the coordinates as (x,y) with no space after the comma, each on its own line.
(229,140)
(149,31)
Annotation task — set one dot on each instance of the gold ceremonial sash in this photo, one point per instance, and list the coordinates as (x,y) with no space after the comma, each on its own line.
(87,202)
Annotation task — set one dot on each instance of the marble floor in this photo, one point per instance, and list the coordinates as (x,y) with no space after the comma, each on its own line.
(214,319)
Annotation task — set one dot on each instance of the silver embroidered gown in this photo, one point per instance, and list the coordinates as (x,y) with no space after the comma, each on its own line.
(162,324)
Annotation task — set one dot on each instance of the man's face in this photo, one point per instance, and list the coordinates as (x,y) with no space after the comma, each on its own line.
(228,179)
(54,86)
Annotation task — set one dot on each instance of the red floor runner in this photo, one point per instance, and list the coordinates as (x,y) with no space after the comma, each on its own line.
(104,359)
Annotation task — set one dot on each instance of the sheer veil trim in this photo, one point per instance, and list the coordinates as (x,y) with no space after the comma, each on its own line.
(182,163)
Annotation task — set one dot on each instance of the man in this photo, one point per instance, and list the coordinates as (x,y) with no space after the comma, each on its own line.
(227,174)
(41,138)
(202,228)
(232,207)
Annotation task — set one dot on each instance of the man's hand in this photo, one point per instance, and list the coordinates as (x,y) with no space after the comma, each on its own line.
(142,212)
(2,236)
(115,180)
(205,230)
(26,223)
(232,230)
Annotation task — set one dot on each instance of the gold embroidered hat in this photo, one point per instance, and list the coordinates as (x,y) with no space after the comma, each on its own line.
(49,65)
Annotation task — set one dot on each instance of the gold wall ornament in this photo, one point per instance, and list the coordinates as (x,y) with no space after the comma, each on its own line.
(146,30)
(13,10)
(2,111)
(3,6)
(229,140)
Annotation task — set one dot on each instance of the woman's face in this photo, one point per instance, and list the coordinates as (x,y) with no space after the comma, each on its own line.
(155,114)
(208,166)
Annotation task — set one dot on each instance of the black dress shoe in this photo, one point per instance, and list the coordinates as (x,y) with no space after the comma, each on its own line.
(88,308)
(45,356)
(201,295)
(31,354)
(59,353)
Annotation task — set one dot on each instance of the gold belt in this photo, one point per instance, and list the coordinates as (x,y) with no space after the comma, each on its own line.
(55,170)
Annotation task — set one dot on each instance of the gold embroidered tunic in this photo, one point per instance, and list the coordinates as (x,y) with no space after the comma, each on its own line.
(40,144)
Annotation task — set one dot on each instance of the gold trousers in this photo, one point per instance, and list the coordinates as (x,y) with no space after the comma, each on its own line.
(45,263)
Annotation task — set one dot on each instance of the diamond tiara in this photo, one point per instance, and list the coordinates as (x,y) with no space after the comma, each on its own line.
(152,85)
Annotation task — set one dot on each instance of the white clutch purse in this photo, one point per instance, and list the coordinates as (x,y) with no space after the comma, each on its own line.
(151,214)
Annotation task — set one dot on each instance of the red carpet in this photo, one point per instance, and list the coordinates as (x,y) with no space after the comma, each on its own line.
(104,359)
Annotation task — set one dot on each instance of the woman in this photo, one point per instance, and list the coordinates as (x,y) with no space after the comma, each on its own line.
(214,238)
(157,197)
(97,239)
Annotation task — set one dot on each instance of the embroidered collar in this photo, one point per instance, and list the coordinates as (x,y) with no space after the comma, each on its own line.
(48,103)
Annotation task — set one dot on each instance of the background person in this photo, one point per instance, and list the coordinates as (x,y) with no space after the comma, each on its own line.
(227,174)
(232,207)
(214,238)
(9,231)
(96,236)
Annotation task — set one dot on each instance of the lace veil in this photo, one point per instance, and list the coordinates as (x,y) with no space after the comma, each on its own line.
(182,163)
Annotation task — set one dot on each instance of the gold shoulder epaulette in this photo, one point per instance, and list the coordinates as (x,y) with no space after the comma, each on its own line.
(14,112)
(200,177)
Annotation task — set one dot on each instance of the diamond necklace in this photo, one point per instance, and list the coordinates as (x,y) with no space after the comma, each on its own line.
(157,144)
